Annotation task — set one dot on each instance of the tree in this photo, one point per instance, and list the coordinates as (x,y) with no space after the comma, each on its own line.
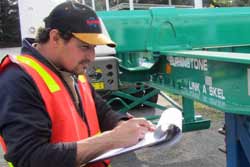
(229,3)
(9,23)
(241,3)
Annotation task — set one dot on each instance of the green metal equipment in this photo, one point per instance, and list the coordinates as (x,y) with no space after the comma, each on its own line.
(146,37)
(200,54)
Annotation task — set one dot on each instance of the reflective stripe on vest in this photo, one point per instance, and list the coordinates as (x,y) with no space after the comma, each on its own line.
(10,164)
(50,82)
(67,125)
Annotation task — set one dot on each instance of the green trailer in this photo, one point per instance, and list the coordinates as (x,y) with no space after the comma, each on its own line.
(200,54)
(145,36)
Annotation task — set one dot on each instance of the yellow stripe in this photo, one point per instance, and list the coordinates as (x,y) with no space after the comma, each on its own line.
(98,133)
(10,164)
(50,82)
(82,78)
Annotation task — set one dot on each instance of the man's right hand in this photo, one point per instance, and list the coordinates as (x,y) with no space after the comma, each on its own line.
(125,134)
(128,133)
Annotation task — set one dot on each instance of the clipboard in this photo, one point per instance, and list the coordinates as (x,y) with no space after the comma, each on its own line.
(168,132)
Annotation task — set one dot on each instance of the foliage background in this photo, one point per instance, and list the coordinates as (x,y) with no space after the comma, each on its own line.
(9,23)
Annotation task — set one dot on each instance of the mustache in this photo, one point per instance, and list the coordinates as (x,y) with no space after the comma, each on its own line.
(85,62)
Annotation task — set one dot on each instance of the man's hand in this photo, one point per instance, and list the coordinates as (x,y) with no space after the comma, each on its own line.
(128,133)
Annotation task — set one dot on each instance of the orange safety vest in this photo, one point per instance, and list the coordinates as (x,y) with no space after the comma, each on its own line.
(67,125)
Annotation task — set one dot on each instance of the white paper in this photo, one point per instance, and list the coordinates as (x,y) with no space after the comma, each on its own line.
(170,116)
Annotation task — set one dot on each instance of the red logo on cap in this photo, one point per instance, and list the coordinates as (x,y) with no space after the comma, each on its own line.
(92,21)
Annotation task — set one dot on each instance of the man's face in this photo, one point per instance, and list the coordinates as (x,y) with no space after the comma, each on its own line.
(75,55)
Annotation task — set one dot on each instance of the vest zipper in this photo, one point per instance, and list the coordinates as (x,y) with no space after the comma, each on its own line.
(79,109)
(81,106)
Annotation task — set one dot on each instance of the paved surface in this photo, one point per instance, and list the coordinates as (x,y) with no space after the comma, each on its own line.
(196,149)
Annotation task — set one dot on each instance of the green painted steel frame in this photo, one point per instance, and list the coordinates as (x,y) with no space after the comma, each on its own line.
(191,121)
(120,95)
(166,30)
(224,84)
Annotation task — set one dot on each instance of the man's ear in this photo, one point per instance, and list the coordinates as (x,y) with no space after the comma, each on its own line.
(54,37)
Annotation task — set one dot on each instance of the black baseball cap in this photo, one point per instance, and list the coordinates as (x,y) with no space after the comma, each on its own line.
(80,20)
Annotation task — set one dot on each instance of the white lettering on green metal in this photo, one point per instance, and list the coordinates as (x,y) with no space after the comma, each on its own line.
(191,63)
(204,90)
(194,86)
(207,90)
(213,91)
(216,92)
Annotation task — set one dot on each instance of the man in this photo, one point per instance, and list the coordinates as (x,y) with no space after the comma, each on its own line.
(49,114)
